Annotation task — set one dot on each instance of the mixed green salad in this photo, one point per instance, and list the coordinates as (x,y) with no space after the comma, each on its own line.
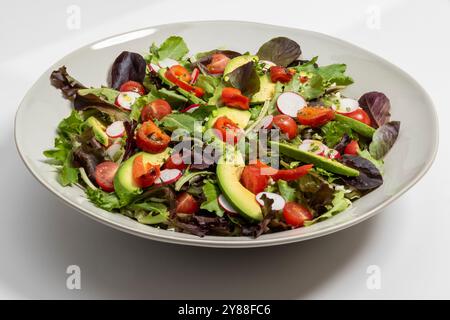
(221,142)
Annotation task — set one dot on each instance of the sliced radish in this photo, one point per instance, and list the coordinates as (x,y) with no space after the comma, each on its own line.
(278,201)
(168,176)
(266,122)
(346,105)
(167,63)
(113,149)
(332,154)
(153,67)
(226,205)
(290,103)
(126,99)
(194,75)
(314,146)
(191,108)
(115,129)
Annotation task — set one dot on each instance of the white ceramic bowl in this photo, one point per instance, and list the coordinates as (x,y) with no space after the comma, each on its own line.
(412,155)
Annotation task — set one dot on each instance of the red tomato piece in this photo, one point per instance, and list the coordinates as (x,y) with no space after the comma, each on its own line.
(218,63)
(360,115)
(104,175)
(233,97)
(227,130)
(151,139)
(132,86)
(295,214)
(352,148)
(186,203)
(144,174)
(197,91)
(181,73)
(175,161)
(315,116)
(280,74)
(253,180)
(286,124)
(292,174)
(156,109)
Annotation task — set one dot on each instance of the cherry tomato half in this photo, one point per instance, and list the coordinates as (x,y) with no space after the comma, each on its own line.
(286,124)
(218,63)
(360,115)
(227,130)
(104,175)
(253,179)
(315,116)
(144,174)
(132,86)
(151,139)
(186,203)
(233,97)
(181,73)
(175,161)
(352,148)
(280,74)
(156,109)
(295,214)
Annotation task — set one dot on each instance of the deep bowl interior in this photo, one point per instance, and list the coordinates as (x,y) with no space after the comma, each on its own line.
(43,108)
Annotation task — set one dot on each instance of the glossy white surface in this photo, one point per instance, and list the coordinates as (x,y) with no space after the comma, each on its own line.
(405,241)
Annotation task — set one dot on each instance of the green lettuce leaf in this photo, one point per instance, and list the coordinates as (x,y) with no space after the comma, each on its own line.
(286,191)
(383,139)
(173,47)
(105,200)
(333,132)
(106,94)
(339,204)
(179,121)
(211,192)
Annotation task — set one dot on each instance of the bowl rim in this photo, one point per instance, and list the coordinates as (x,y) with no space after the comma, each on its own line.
(238,242)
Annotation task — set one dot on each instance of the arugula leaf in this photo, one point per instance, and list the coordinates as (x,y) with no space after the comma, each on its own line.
(286,191)
(335,73)
(339,204)
(71,125)
(333,132)
(179,121)
(211,204)
(105,200)
(173,47)
(68,175)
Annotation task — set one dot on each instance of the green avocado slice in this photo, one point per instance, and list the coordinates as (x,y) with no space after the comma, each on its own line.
(362,128)
(321,162)
(244,201)
(124,186)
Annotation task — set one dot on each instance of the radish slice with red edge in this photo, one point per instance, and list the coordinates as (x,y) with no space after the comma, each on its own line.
(151,67)
(225,204)
(290,103)
(346,105)
(191,108)
(167,63)
(168,176)
(266,122)
(278,201)
(126,99)
(332,154)
(314,146)
(115,129)
(194,75)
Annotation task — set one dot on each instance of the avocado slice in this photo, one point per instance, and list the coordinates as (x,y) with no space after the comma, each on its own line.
(240,117)
(228,177)
(362,128)
(124,185)
(191,97)
(321,162)
(237,62)
(99,130)
(266,90)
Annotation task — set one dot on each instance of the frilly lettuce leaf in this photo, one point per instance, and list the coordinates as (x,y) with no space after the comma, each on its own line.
(338,204)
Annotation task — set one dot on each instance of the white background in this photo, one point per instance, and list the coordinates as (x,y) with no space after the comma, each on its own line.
(40,236)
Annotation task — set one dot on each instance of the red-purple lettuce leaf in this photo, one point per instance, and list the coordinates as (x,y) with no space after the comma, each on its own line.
(69,86)
(281,51)
(377,106)
(369,176)
(245,78)
(127,66)
(383,139)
